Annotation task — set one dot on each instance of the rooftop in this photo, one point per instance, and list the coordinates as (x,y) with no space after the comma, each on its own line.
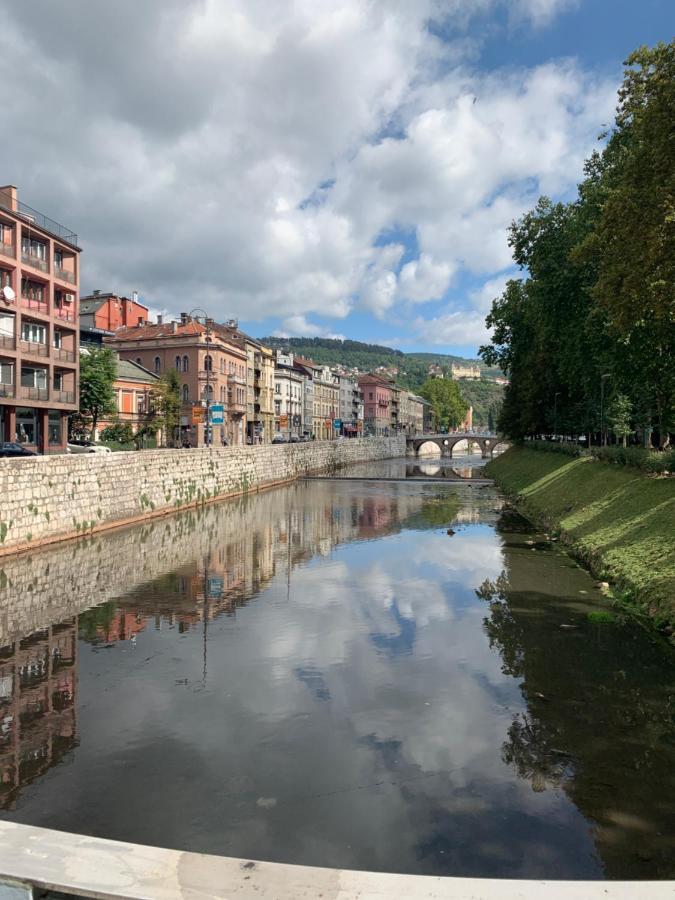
(9,202)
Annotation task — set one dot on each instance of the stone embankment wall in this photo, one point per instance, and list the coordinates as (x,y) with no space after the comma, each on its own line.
(54,497)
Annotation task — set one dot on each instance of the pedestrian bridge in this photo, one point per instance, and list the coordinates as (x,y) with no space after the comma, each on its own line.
(447,442)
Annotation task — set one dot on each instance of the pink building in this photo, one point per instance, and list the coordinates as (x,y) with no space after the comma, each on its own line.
(376,404)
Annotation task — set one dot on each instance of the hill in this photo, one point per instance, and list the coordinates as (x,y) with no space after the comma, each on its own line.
(413,368)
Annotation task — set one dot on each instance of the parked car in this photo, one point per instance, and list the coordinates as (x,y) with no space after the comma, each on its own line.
(304,437)
(294,439)
(279,439)
(76,446)
(11,450)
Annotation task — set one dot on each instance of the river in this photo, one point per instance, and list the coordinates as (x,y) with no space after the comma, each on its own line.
(386,675)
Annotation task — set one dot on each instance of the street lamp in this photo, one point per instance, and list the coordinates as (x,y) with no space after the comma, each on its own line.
(555,414)
(207,338)
(603,438)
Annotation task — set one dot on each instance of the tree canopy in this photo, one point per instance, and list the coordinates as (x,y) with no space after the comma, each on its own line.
(587,334)
(447,406)
(98,369)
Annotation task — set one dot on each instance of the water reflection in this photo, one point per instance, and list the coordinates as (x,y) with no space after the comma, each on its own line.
(462,468)
(324,675)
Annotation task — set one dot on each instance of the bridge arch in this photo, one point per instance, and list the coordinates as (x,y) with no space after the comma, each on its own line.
(430,448)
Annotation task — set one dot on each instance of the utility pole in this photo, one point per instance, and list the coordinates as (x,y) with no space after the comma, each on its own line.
(208,365)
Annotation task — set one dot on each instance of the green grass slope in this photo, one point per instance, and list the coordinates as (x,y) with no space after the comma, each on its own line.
(619,521)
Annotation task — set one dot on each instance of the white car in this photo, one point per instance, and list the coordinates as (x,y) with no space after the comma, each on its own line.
(86,447)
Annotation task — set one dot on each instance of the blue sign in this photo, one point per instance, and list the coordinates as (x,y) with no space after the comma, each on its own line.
(337,423)
(217,414)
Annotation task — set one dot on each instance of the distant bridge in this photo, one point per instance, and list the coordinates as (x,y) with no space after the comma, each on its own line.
(446,442)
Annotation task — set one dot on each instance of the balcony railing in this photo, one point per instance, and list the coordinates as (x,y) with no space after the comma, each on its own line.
(62,353)
(33,348)
(34,393)
(40,306)
(7,249)
(64,313)
(6,390)
(63,396)
(31,260)
(236,379)
(37,218)
(7,341)
(64,274)
(207,374)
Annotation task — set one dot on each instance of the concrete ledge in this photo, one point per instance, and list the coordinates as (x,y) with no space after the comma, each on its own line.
(110,870)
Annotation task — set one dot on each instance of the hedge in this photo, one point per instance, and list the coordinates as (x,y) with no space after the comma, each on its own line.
(635,457)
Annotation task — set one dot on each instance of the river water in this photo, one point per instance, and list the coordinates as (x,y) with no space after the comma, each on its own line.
(322,674)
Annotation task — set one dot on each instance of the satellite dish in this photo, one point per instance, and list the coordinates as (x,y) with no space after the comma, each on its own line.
(8,293)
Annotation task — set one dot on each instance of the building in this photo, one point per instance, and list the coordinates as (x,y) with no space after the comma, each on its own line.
(133,386)
(460,371)
(427,418)
(376,404)
(307,374)
(39,346)
(350,406)
(288,396)
(102,314)
(326,403)
(411,413)
(212,373)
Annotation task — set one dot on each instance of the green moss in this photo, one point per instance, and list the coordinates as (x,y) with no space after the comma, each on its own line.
(601,617)
(4,528)
(618,521)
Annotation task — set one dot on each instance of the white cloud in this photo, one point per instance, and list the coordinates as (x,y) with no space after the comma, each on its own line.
(482,297)
(250,156)
(461,329)
(299,326)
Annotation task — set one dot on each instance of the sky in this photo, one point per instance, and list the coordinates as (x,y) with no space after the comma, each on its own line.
(307,167)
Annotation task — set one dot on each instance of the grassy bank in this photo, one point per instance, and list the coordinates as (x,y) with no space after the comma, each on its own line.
(619,521)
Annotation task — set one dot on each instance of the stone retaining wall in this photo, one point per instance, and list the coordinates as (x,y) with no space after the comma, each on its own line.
(49,498)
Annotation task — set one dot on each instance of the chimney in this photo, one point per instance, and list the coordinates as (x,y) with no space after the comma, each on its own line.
(184,318)
(160,319)
(134,296)
(9,197)
(174,327)
(96,293)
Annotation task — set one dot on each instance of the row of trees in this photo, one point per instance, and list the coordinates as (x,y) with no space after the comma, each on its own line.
(448,407)
(587,336)
(98,370)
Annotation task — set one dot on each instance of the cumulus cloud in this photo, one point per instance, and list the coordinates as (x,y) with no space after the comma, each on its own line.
(251,156)
(462,329)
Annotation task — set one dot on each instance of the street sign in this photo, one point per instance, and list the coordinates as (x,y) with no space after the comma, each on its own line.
(337,423)
(197,414)
(217,414)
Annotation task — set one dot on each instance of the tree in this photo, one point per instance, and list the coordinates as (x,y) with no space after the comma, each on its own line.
(619,414)
(119,432)
(447,406)
(98,369)
(165,403)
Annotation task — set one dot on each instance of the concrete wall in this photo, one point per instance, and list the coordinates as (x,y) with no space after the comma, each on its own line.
(50,498)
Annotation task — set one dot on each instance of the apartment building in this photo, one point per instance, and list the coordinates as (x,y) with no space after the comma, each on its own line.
(326,403)
(288,396)
(351,406)
(212,373)
(101,314)
(39,358)
(376,404)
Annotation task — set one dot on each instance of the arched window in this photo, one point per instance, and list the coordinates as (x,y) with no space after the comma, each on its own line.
(186,394)
(178,363)
(208,392)
(208,362)
(158,365)
(186,364)
(222,394)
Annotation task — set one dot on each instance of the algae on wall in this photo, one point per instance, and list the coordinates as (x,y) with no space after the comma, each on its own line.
(620,521)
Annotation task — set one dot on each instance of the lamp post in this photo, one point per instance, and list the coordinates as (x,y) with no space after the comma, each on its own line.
(209,362)
(555,414)
(603,440)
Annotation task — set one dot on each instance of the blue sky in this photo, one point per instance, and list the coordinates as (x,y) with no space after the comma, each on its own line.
(311,168)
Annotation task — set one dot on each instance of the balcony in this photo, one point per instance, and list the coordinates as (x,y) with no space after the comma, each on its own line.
(7,341)
(7,390)
(65,313)
(33,393)
(34,348)
(64,274)
(7,250)
(236,379)
(31,259)
(207,375)
(63,396)
(61,353)
(234,406)
(39,306)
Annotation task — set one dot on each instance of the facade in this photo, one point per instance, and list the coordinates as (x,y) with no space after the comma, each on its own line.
(326,403)
(133,386)
(212,372)
(411,413)
(428,418)
(376,404)
(288,397)
(471,372)
(351,406)
(39,346)
(307,374)
(102,314)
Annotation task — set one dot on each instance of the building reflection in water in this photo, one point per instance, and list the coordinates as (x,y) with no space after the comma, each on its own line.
(38,724)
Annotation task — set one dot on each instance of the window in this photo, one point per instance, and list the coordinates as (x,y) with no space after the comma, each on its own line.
(186,364)
(222,366)
(33,332)
(58,258)
(158,365)
(207,393)
(58,338)
(178,364)
(370,395)
(33,290)
(6,325)
(5,234)
(186,394)
(54,427)
(277,407)
(277,388)
(6,372)
(31,377)
(141,404)
(208,363)
(34,248)
(26,426)
(58,381)
(5,278)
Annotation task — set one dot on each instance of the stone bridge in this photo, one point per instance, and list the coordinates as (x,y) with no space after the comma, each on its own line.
(446,442)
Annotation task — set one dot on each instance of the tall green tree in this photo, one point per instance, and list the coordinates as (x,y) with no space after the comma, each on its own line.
(98,369)
(165,403)
(447,406)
